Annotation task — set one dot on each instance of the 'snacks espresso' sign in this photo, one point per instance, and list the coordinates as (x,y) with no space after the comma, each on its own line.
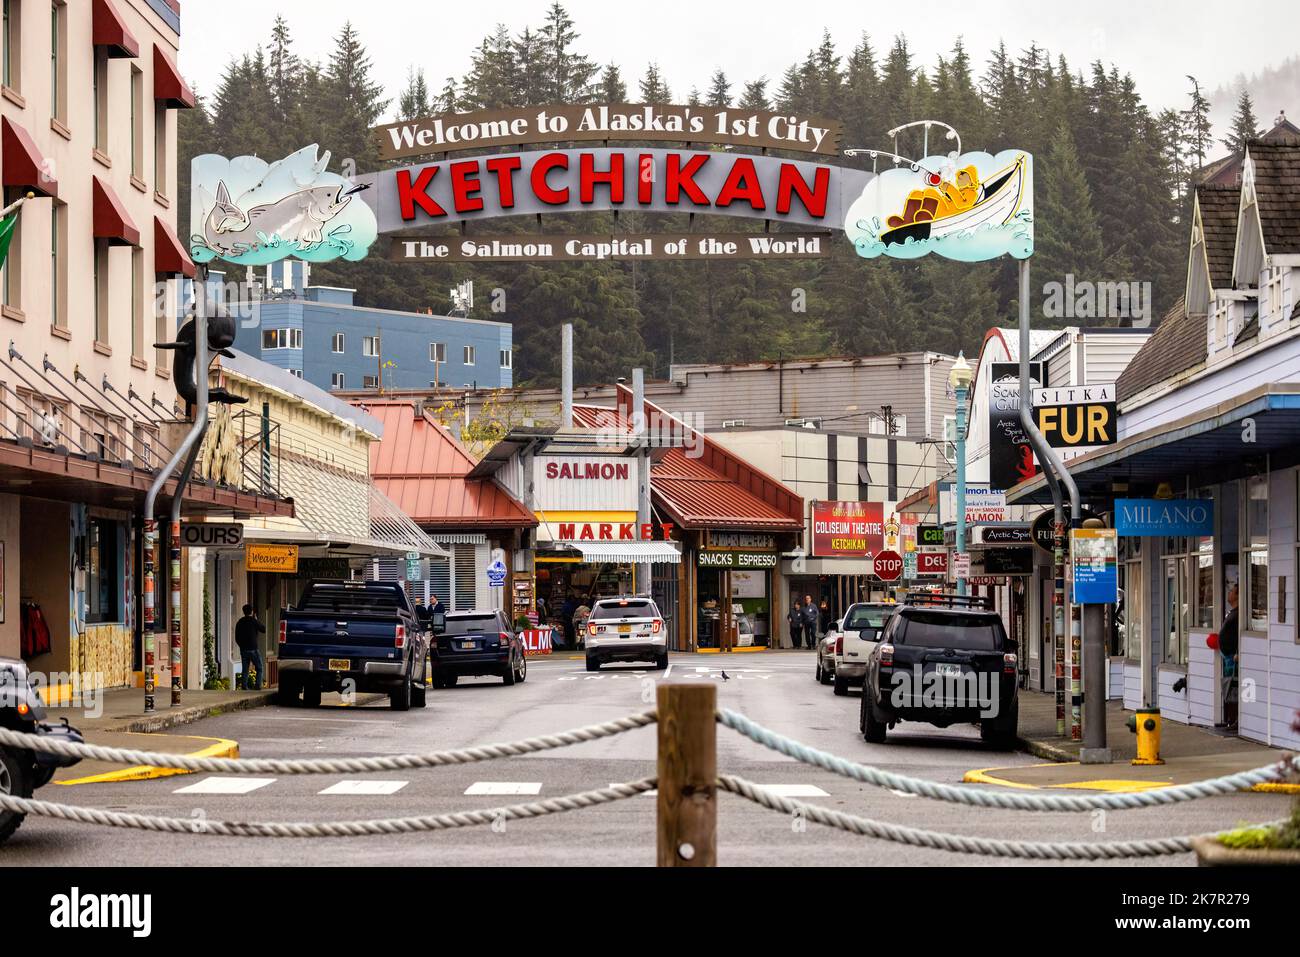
(848,529)
(450,132)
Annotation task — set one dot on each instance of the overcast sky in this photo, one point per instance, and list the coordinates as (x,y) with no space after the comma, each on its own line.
(1158,41)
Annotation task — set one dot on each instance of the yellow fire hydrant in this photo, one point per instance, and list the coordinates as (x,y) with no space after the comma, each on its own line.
(1146,725)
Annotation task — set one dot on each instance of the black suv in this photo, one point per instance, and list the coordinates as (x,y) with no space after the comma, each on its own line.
(942,660)
(478,643)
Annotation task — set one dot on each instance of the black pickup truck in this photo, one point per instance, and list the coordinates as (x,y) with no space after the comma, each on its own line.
(354,636)
(942,660)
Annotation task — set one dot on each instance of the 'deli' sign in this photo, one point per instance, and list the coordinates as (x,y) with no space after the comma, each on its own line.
(1077,418)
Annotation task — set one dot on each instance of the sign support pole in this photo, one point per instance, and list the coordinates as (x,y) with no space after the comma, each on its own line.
(1061,484)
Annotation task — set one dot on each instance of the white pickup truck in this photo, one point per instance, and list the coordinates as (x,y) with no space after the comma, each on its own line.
(859,634)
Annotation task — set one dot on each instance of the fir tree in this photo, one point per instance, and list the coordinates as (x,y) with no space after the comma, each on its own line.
(612,87)
(653,87)
(1196,121)
(1067,237)
(1245,126)
(414,102)
(719,89)
(568,75)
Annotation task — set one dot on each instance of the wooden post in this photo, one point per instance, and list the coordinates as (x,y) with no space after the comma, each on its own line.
(688,774)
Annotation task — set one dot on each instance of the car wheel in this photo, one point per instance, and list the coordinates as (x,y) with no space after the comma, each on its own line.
(287,695)
(14,782)
(311,694)
(511,674)
(1002,732)
(661,663)
(827,676)
(819,669)
(523,667)
(841,686)
(592,664)
(873,730)
(400,699)
(419,695)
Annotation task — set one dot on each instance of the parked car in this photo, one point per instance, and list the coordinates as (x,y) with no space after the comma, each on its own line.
(354,635)
(629,628)
(857,636)
(943,660)
(826,653)
(23,771)
(478,643)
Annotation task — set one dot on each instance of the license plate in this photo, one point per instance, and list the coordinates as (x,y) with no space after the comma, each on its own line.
(340,664)
(948,671)
(625,629)
(468,645)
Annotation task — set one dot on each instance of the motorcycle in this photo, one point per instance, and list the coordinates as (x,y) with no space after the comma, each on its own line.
(22,771)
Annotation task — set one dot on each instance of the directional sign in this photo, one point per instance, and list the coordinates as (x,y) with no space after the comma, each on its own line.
(888,566)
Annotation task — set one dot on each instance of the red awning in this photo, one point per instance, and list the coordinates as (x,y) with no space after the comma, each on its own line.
(111,219)
(21,164)
(109,31)
(168,84)
(169,257)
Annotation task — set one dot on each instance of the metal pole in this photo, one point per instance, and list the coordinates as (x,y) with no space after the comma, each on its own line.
(961,480)
(566,375)
(1057,477)
(151,498)
(643,570)
(1094,749)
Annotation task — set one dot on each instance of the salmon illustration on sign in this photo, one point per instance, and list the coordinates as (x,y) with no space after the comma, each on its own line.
(251,213)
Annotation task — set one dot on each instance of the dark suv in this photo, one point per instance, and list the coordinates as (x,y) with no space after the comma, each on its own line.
(478,643)
(942,660)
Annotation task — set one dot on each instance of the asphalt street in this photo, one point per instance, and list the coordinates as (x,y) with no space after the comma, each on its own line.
(776,689)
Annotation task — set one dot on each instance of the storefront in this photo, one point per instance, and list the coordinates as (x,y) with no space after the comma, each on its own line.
(734,582)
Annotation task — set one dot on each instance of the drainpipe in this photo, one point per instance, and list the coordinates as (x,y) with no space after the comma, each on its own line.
(643,570)
(185,452)
(566,375)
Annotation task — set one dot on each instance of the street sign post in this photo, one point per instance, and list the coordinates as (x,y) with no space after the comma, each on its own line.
(888,566)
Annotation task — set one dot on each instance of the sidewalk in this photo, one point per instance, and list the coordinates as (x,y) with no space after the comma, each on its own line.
(1190,754)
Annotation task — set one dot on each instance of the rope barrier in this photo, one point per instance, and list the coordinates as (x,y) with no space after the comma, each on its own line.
(396,762)
(958,843)
(1015,800)
(396,825)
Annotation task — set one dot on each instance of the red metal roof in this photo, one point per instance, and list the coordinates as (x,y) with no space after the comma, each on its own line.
(421,467)
(714,490)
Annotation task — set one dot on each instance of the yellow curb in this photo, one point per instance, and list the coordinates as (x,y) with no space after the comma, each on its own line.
(1115,786)
(219,748)
(55,696)
(751,649)
(1276,787)
(982,776)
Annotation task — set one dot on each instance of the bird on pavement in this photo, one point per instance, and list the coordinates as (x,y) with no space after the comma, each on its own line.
(725,676)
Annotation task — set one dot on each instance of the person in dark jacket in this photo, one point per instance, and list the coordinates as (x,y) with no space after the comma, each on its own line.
(1228,641)
(810,617)
(795,618)
(246,631)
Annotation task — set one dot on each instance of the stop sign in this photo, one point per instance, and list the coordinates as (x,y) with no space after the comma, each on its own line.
(889,566)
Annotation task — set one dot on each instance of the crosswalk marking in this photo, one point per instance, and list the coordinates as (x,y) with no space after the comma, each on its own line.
(365,787)
(505,787)
(796,790)
(239,785)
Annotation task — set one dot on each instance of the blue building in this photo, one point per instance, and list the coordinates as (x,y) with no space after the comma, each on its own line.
(318,334)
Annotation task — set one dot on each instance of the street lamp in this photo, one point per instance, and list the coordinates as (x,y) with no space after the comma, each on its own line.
(960,377)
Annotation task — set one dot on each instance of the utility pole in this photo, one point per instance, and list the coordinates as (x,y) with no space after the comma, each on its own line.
(960,377)
(1094,749)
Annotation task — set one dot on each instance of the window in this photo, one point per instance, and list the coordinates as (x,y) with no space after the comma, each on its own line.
(370,382)
(99,290)
(296,372)
(103,570)
(99,99)
(1254,562)
(370,346)
(137,124)
(898,423)
(437,352)
(58,266)
(336,343)
(281,338)
(469,355)
(336,380)
(162,332)
(58,61)
(137,303)
(1127,628)
(160,149)
(1177,601)
(11,273)
(12,45)
(507,358)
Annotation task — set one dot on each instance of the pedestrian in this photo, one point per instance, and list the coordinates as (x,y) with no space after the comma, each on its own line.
(580,616)
(566,619)
(795,618)
(824,616)
(1228,649)
(810,616)
(246,631)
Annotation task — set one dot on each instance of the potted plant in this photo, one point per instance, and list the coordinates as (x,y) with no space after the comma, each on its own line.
(1277,845)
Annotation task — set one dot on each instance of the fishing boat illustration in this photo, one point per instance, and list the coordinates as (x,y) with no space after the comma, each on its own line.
(961,205)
